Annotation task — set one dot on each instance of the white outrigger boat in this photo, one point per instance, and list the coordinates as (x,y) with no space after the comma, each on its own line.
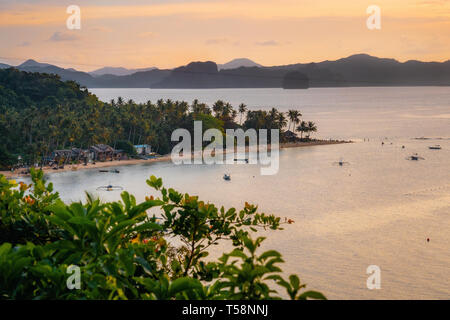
(110,188)
(341,163)
(415,157)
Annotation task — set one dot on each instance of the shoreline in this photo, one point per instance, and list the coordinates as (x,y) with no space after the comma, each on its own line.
(164,158)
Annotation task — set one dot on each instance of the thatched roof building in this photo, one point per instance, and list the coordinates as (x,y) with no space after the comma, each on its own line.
(289,136)
(102,151)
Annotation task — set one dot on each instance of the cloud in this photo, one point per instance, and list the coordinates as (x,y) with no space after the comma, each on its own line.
(101,29)
(61,36)
(148,34)
(24,44)
(216,41)
(269,43)
(432,3)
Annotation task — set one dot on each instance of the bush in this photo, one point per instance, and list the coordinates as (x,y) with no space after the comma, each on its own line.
(7,160)
(126,146)
(123,252)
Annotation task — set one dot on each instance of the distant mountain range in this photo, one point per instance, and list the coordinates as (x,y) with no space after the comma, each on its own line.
(4,66)
(233,64)
(355,70)
(117,71)
(237,63)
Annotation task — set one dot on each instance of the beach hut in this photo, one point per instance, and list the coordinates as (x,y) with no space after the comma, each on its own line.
(62,156)
(120,155)
(66,156)
(102,152)
(289,136)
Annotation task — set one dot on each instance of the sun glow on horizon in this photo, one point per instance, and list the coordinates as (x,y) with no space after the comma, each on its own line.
(270,32)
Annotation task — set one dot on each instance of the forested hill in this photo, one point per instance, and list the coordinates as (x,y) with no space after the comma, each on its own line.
(20,90)
(39,113)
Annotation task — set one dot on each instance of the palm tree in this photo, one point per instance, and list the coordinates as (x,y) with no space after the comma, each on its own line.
(303,127)
(273,117)
(242,110)
(282,121)
(311,127)
(296,120)
(291,115)
(233,114)
(218,107)
(227,111)
(194,106)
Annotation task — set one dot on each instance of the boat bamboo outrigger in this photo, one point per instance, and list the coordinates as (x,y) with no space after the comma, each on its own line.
(436,147)
(341,163)
(112,171)
(415,157)
(110,188)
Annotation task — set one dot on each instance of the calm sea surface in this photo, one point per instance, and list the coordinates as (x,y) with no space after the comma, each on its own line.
(378,210)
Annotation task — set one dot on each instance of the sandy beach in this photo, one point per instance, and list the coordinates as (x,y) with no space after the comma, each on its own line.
(106,164)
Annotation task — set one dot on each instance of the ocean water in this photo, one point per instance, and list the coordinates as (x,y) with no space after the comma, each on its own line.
(379,209)
(373,112)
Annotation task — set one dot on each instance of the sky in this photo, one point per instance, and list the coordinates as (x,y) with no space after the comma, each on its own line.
(170,33)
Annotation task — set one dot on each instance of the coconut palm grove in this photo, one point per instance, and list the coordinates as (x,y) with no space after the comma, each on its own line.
(39,113)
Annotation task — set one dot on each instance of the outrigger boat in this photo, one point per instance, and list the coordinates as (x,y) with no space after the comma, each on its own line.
(436,147)
(341,163)
(236,160)
(112,171)
(415,157)
(110,188)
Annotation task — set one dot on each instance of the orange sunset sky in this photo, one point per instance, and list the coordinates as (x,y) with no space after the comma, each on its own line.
(170,33)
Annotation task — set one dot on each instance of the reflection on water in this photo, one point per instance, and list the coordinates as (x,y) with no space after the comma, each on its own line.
(339,112)
(379,209)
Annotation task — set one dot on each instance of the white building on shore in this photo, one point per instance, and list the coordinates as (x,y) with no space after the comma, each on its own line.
(143,149)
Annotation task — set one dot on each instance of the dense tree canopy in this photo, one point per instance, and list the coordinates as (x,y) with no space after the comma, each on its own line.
(39,113)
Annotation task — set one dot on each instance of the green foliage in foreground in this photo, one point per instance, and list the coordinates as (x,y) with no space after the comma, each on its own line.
(125,253)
